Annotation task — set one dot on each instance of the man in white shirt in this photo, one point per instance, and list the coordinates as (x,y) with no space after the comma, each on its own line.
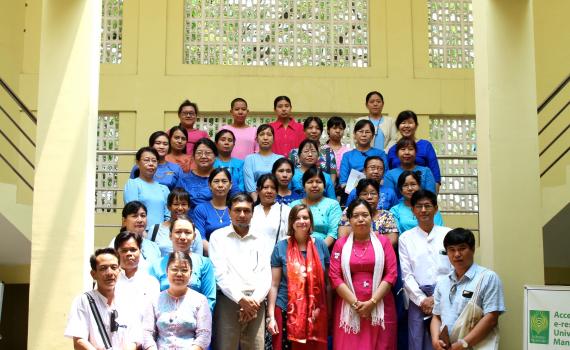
(243,276)
(98,319)
(423,261)
(135,283)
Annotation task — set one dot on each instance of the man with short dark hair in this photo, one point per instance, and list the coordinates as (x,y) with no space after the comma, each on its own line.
(455,290)
(243,276)
(98,320)
(374,168)
(423,261)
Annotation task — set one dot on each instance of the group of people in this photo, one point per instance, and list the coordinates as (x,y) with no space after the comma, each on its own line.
(242,242)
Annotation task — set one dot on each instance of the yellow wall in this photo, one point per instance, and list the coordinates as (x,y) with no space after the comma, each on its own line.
(12,15)
(152,81)
(15,274)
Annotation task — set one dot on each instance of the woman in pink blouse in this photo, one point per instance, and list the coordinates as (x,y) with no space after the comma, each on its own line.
(362,271)
(188,114)
(245,136)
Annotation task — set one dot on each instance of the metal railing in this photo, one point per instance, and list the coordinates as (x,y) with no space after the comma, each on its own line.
(131,153)
(10,141)
(559,135)
(18,101)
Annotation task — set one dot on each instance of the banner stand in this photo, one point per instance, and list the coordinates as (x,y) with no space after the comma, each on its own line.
(546,318)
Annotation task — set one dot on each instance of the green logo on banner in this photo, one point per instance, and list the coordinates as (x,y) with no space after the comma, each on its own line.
(539,326)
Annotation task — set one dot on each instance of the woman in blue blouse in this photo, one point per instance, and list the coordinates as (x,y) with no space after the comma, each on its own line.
(182,317)
(313,128)
(225,142)
(259,163)
(406,150)
(284,170)
(178,204)
(407,124)
(202,278)
(212,215)
(144,189)
(308,153)
(408,184)
(326,212)
(354,159)
(167,173)
(196,182)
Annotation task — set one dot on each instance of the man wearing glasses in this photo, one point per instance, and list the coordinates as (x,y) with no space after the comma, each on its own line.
(243,275)
(99,320)
(374,169)
(423,261)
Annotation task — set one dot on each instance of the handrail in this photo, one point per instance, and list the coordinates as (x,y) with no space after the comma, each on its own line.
(550,97)
(555,161)
(553,94)
(17,126)
(554,140)
(553,118)
(16,171)
(18,101)
(17,149)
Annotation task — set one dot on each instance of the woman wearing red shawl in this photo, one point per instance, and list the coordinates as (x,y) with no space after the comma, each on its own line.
(362,271)
(297,309)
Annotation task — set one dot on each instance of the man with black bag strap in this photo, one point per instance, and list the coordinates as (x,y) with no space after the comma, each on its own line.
(98,319)
(468,301)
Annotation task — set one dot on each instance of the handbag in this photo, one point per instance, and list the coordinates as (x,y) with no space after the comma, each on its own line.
(471,314)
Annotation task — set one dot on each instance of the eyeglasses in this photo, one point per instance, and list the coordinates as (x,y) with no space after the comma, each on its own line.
(309,153)
(364,132)
(204,154)
(368,194)
(114,323)
(188,114)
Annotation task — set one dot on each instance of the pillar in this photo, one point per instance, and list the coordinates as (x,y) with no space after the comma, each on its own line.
(507,142)
(63,203)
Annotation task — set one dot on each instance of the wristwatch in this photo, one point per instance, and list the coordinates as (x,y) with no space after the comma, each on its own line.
(463,343)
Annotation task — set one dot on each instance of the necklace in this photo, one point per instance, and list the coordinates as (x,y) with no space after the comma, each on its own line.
(221,217)
(363,252)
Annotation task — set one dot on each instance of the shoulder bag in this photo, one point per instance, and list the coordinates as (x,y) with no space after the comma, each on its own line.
(471,314)
(99,322)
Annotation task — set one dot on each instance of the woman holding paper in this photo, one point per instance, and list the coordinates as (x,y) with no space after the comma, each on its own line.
(363,134)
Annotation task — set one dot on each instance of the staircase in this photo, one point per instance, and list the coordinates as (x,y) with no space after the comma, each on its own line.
(554,142)
(17,154)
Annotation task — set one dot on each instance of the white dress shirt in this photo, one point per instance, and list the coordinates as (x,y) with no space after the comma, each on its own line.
(422,259)
(142,286)
(265,226)
(240,263)
(81,322)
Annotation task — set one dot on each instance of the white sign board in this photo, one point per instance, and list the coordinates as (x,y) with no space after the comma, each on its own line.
(546,317)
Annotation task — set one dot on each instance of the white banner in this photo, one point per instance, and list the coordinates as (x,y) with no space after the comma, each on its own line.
(546,317)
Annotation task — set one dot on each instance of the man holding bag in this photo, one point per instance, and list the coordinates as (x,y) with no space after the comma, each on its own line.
(468,301)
